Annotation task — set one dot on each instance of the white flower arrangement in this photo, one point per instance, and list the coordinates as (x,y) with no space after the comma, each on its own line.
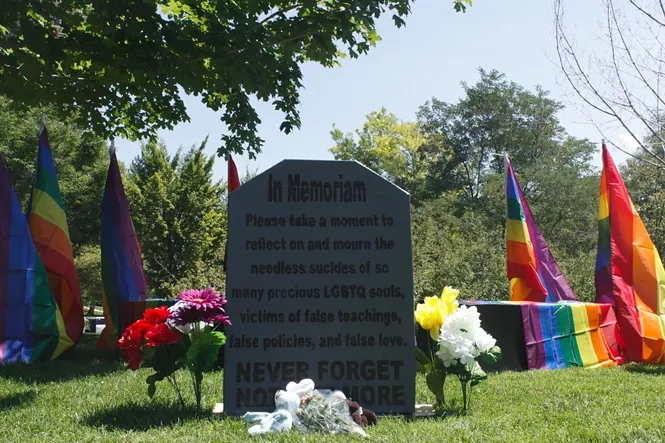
(460,343)
(461,339)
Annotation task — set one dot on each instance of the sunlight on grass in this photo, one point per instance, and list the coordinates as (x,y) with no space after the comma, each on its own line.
(88,396)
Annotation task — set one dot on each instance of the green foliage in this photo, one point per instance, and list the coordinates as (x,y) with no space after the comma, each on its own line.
(492,356)
(180,218)
(165,360)
(391,148)
(451,162)
(204,351)
(125,64)
(458,251)
(436,381)
(88,268)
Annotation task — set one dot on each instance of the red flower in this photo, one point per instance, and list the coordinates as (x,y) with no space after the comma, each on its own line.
(131,342)
(133,357)
(134,334)
(161,334)
(156,316)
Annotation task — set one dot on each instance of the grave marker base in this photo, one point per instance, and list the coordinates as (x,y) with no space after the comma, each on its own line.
(420,411)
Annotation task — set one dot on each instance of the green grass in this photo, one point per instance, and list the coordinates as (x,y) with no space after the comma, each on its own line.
(88,396)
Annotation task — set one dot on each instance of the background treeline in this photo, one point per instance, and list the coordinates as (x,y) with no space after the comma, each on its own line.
(450,159)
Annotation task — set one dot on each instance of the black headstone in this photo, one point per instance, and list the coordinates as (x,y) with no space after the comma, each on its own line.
(320,286)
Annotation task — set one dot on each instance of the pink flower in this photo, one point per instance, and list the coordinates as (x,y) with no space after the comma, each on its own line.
(204,299)
(196,305)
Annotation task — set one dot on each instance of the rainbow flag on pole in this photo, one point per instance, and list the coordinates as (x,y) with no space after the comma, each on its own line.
(30,321)
(123,279)
(532,270)
(50,233)
(629,271)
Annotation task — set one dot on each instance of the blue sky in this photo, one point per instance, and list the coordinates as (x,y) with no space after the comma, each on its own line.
(429,57)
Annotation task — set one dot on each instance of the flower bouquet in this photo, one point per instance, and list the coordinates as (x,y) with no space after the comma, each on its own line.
(460,343)
(182,336)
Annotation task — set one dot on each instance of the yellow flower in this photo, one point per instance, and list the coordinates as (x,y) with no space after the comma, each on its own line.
(449,299)
(433,311)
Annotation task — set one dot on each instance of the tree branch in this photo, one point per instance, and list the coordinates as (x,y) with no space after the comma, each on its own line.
(564,46)
(632,2)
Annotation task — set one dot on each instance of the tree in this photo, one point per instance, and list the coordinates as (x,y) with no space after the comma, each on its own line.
(124,64)
(451,160)
(495,116)
(179,217)
(621,88)
(81,161)
(391,148)
(646,187)
(459,251)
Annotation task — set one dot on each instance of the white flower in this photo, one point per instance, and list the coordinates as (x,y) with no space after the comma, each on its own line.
(461,339)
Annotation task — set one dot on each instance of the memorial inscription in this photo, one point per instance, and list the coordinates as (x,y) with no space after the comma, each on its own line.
(320,285)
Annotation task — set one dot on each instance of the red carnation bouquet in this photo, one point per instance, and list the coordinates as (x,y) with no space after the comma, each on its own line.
(184,335)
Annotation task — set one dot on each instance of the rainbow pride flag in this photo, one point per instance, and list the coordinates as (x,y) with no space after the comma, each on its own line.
(123,279)
(629,271)
(50,233)
(532,270)
(563,335)
(557,335)
(30,320)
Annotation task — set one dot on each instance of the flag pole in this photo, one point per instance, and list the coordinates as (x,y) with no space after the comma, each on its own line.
(42,122)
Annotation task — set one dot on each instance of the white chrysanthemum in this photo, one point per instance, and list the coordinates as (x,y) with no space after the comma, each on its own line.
(461,339)
(484,342)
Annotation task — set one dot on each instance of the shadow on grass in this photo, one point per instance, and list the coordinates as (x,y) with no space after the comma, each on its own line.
(16,400)
(142,417)
(644,369)
(82,361)
(439,414)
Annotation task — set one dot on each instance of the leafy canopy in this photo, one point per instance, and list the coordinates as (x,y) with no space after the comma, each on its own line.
(451,162)
(125,64)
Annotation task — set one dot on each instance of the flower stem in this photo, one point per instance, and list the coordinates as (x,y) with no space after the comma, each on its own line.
(197,379)
(176,388)
(440,397)
(464,394)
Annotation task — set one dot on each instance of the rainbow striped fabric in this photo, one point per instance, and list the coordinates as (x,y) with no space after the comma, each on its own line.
(629,271)
(562,335)
(566,334)
(123,279)
(532,270)
(50,233)
(30,320)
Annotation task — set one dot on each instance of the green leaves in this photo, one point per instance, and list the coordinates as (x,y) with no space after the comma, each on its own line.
(100,59)
(204,351)
(152,387)
(493,356)
(460,5)
(475,373)
(423,363)
(435,382)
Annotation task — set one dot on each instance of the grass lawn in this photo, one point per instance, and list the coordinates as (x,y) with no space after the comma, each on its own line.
(88,396)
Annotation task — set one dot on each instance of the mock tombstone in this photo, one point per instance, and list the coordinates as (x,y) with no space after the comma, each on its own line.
(320,286)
